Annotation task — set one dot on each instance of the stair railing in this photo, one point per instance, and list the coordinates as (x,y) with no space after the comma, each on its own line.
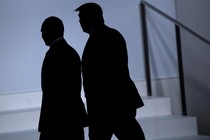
(178,25)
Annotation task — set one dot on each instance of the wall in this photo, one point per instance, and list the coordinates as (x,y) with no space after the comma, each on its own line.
(195,14)
(22,48)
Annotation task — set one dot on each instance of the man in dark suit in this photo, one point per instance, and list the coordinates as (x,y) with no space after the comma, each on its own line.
(63,114)
(111,95)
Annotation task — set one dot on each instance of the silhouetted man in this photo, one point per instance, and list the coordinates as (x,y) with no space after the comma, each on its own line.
(63,113)
(111,95)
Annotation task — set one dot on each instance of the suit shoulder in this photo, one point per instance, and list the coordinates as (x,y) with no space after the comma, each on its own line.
(115,32)
(72,50)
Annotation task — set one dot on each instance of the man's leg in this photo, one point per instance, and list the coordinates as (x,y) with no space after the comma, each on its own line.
(128,128)
(72,133)
(99,131)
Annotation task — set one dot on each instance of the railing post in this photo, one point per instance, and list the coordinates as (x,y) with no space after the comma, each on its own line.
(181,71)
(146,49)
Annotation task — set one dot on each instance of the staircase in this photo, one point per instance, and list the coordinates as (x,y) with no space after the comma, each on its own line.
(19,115)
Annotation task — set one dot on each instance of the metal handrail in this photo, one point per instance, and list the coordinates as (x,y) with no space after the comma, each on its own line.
(175,21)
(179,50)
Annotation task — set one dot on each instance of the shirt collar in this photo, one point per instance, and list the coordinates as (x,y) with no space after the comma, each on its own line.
(56,40)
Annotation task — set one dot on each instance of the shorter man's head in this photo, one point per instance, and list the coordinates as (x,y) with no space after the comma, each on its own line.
(52,28)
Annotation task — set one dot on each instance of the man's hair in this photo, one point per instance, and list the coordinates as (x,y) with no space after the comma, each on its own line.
(53,24)
(93,10)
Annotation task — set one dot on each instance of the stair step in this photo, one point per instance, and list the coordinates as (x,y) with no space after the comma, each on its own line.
(154,106)
(168,126)
(20,101)
(14,118)
(19,121)
(34,135)
(19,116)
(32,99)
(197,137)
(153,127)
(22,135)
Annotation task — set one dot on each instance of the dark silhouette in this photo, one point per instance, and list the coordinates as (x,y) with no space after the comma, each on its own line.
(111,95)
(63,114)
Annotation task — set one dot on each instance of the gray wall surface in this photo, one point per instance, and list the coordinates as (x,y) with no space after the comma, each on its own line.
(22,49)
(195,14)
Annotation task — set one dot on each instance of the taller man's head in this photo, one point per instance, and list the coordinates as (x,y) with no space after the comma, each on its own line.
(90,16)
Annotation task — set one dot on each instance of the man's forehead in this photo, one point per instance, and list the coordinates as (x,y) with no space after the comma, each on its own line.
(83,14)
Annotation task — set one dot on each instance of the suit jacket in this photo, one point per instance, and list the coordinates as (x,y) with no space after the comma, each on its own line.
(107,83)
(62,105)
